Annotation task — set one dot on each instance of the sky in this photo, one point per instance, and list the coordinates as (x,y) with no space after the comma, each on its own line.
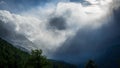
(73,31)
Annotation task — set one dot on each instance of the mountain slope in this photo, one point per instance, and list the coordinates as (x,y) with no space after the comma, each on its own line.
(12,57)
(61,64)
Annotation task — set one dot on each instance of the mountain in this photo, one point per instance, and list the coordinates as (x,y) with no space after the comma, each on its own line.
(7,32)
(12,57)
(62,64)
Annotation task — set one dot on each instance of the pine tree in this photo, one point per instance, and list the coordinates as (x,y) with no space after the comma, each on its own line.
(91,64)
(36,60)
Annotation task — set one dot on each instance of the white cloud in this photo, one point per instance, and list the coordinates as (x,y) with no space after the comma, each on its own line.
(33,23)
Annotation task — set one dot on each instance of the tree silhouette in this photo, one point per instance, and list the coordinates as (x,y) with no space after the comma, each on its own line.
(91,64)
(36,60)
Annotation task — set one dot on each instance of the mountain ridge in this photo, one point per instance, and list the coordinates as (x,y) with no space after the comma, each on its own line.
(10,57)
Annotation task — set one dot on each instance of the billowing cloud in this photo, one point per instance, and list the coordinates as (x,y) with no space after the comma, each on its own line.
(57,23)
(62,25)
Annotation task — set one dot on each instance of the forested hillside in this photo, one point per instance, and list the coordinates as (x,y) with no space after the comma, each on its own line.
(12,57)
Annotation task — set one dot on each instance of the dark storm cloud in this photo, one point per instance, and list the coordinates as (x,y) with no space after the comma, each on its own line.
(102,45)
(117,15)
(57,23)
(112,56)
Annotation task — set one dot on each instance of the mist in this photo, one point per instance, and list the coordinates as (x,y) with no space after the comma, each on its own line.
(68,30)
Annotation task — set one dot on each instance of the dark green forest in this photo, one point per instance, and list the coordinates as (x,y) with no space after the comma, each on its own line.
(12,57)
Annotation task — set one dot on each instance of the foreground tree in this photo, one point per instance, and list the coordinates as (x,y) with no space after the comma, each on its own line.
(36,60)
(91,64)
